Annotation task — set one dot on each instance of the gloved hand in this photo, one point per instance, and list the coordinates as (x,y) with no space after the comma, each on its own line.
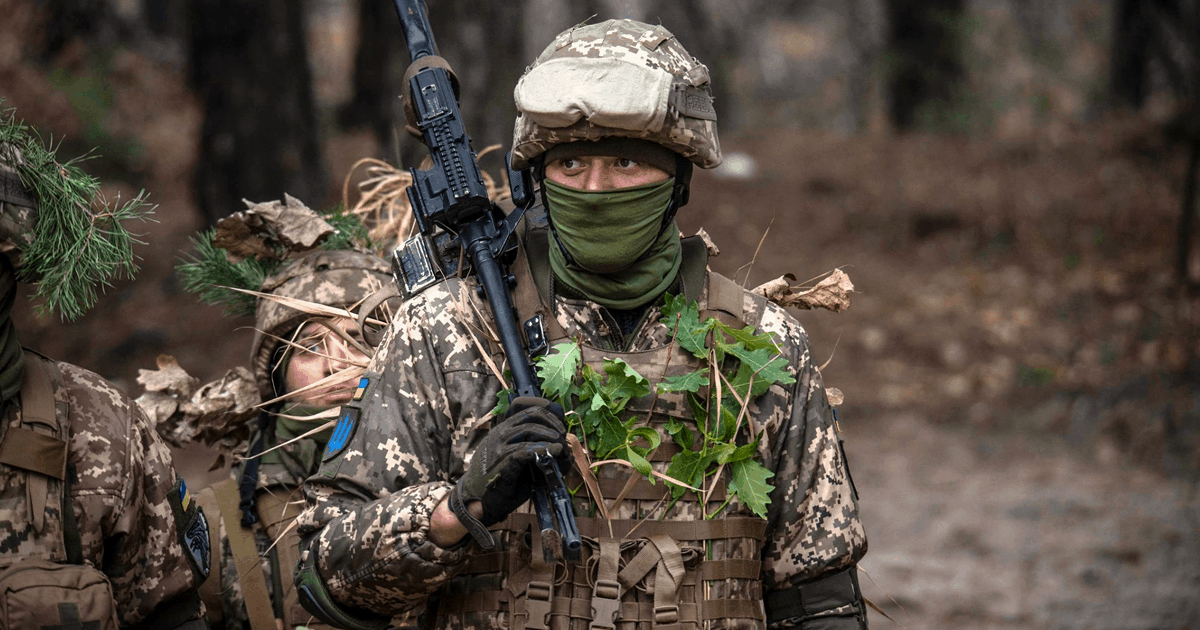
(500,475)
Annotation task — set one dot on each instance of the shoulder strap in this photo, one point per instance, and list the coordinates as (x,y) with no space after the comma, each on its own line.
(245,558)
(532,294)
(39,444)
(727,301)
(278,516)
(693,266)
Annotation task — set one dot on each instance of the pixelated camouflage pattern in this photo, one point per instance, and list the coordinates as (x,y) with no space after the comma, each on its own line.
(369,507)
(638,43)
(120,476)
(340,278)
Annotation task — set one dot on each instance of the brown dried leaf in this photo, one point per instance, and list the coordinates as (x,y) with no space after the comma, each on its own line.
(168,378)
(238,240)
(298,226)
(832,293)
(835,396)
(262,227)
(216,414)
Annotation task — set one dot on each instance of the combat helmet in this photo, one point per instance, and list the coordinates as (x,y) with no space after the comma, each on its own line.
(619,78)
(330,277)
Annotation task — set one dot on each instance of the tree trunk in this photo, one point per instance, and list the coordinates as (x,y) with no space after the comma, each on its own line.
(248,64)
(925,45)
(379,63)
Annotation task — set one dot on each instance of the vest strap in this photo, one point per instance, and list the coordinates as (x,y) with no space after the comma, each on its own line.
(245,558)
(278,516)
(606,595)
(36,445)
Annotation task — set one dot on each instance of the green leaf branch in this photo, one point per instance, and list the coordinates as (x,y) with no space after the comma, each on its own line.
(738,366)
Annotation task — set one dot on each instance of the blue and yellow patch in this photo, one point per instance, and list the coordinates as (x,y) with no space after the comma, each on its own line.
(185,498)
(342,433)
(362,389)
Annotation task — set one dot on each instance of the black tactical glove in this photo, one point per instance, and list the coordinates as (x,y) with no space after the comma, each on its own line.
(500,475)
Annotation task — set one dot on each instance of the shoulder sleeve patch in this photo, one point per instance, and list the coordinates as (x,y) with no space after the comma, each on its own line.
(342,432)
(192,527)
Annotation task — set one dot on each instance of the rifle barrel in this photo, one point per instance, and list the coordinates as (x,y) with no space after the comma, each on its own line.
(418,34)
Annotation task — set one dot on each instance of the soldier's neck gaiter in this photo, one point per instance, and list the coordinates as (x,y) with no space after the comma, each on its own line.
(306,449)
(12,356)
(611,235)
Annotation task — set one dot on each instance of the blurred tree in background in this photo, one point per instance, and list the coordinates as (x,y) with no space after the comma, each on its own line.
(248,63)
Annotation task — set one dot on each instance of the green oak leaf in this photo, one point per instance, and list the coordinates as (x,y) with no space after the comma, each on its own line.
(640,463)
(748,480)
(652,437)
(690,382)
(557,370)
(683,319)
(764,364)
(612,434)
(623,383)
(745,451)
(502,401)
(689,467)
(680,433)
(749,339)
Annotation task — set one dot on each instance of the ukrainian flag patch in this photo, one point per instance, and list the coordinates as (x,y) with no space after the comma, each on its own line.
(185,497)
(362,389)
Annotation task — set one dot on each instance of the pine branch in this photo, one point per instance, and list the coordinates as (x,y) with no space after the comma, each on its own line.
(75,249)
(208,273)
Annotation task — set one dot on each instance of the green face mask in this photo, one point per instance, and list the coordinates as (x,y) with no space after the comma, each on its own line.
(612,230)
(607,231)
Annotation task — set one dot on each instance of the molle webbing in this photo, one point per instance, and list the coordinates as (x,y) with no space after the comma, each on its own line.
(690,531)
(674,572)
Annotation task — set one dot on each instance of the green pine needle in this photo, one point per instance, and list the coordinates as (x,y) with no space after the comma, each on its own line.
(208,273)
(351,232)
(77,249)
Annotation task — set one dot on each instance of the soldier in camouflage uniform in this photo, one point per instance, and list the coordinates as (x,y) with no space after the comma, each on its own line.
(270,483)
(612,117)
(292,349)
(128,516)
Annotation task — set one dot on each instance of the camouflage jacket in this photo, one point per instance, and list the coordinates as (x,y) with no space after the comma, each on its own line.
(427,405)
(128,501)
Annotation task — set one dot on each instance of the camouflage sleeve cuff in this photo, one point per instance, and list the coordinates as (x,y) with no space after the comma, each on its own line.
(382,552)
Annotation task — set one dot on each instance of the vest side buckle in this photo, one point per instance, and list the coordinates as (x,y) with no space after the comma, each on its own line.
(606,605)
(537,605)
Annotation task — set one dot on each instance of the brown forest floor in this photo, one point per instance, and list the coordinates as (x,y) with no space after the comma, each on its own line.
(1022,411)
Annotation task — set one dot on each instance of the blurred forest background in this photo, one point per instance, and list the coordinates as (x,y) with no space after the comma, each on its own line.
(1010,184)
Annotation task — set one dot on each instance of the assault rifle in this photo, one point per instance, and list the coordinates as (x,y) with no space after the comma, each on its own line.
(455,217)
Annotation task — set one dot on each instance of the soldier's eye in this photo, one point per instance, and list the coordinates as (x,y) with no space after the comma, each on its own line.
(626,163)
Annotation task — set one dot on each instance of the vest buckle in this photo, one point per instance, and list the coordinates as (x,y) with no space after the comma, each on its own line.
(606,605)
(537,605)
(666,615)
